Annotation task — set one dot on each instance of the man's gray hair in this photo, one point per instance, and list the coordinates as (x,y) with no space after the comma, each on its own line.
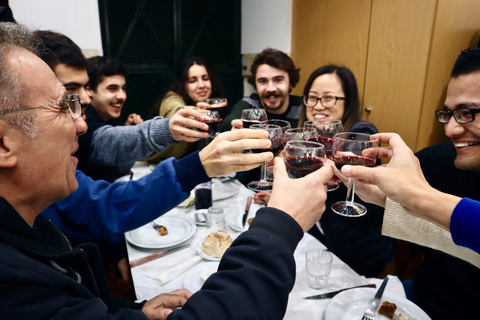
(14,93)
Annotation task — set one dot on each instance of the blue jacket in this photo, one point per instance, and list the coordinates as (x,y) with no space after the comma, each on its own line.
(99,209)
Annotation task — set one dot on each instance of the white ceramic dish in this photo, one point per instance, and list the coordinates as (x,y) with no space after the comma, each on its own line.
(192,280)
(147,237)
(351,305)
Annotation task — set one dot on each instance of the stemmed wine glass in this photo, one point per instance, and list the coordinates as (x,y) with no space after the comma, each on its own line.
(353,149)
(326,129)
(303,157)
(253,116)
(298,134)
(275,136)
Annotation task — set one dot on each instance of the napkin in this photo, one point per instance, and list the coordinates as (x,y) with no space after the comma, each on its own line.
(167,268)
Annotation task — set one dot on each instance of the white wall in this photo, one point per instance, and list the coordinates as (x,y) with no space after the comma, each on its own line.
(77,19)
(266,23)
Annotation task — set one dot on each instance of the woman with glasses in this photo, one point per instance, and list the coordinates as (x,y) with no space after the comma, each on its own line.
(331,92)
(195,82)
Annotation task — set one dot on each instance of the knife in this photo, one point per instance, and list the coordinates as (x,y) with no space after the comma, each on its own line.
(376,300)
(247,208)
(334,293)
(156,255)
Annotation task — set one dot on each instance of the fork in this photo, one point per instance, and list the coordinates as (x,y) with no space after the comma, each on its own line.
(370,314)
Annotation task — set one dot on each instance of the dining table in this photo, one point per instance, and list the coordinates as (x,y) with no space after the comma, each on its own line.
(168,273)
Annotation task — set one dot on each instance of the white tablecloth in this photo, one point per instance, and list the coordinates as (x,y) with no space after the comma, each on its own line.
(341,276)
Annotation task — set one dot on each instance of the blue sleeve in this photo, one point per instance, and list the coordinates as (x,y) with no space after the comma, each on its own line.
(255,275)
(465,224)
(117,145)
(99,209)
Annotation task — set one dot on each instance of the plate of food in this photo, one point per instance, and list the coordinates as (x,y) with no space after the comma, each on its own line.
(164,232)
(196,276)
(214,244)
(351,305)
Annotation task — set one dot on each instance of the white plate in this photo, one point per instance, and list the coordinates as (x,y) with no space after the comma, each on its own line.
(192,280)
(224,190)
(351,305)
(147,237)
(205,256)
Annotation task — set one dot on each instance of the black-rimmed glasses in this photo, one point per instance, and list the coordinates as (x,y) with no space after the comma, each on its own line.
(461,115)
(72,102)
(325,101)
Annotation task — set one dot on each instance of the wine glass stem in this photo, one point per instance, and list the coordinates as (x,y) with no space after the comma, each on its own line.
(263,174)
(350,192)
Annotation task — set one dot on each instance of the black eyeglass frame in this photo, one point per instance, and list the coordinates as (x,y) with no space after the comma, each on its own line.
(456,115)
(305,99)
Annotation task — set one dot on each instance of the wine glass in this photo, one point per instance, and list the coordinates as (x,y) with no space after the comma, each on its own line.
(285,125)
(303,157)
(298,134)
(326,129)
(218,104)
(213,120)
(356,149)
(275,136)
(253,116)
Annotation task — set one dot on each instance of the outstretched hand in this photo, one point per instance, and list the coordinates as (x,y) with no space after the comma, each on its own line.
(397,180)
(183,123)
(303,199)
(224,155)
(162,305)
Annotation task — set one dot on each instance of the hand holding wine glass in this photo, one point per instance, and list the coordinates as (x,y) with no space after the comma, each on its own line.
(275,136)
(303,157)
(351,148)
(253,116)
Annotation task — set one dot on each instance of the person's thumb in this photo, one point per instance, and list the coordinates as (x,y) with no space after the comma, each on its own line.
(279,169)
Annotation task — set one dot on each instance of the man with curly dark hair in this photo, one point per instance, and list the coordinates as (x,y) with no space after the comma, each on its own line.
(274,75)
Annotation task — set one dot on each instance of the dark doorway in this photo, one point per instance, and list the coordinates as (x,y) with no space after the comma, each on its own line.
(152,36)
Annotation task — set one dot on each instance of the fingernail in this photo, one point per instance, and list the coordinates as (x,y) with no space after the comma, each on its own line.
(346,169)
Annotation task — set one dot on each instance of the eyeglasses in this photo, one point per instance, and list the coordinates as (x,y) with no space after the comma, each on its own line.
(325,101)
(461,115)
(72,103)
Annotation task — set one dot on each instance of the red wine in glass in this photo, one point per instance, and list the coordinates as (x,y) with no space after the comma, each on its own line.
(248,123)
(274,148)
(213,126)
(353,160)
(327,142)
(300,166)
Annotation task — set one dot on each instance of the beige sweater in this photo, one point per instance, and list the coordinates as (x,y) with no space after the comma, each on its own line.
(399,224)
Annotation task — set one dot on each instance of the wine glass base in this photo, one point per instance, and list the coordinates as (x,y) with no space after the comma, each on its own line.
(332,186)
(352,211)
(259,186)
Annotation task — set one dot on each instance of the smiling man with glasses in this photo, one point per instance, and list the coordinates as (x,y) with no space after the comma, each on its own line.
(43,277)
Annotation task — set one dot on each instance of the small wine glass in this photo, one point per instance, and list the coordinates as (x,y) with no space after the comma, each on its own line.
(275,136)
(218,104)
(298,134)
(303,157)
(253,116)
(353,149)
(326,129)
(213,120)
